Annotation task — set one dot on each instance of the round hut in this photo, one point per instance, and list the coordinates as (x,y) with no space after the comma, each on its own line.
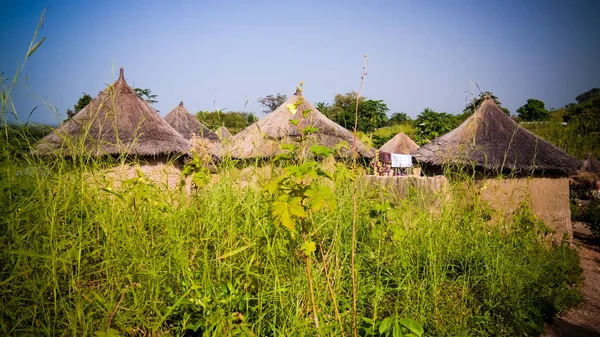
(401,143)
(187,125)
(512,165)
(116,122)
(264,138)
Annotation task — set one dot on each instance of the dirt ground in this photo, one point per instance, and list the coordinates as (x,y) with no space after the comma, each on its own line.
(584,320)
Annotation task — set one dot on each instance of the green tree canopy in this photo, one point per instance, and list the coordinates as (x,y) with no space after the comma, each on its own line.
(534,110)
(372,114)
(83,101)
(588,95)
(399,118)
(323,107)
(472,106)
(233,121)
(146,95)
(430,124)
(272,102)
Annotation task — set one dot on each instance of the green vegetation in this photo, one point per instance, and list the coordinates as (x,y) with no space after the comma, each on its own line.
(146,95)
(475,102)
(233,121)
(272,102)
(80,256)
(83,101)
(534,110)
(575,128)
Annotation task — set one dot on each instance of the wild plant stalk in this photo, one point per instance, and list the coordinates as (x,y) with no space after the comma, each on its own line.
(354,206)
(333,297)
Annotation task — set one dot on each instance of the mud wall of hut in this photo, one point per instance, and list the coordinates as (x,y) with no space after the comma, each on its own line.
(547,197)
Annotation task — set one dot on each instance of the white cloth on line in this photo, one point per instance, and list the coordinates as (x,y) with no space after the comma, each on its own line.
(401,160)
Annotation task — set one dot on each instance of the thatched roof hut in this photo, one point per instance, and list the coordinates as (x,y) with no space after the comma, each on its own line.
(223,133)
(489,140)
(591,164)
(117,121)
(264,138)
(187,125)
(401,143)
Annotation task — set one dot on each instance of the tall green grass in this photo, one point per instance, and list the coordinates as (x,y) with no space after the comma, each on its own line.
(78,258)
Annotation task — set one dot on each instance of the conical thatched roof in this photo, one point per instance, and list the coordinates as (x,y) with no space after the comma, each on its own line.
(223,133)
(187,125)
(264,138)
(491,140)
(401,143)
(117,121)
(591,164)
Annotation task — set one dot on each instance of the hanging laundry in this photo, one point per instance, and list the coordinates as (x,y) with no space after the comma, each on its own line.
(401,160)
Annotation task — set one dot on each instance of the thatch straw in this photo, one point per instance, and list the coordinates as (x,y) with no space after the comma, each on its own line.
(117,121)
(492,141)
(187,125)
(264,138)
(401,143)
(223,133)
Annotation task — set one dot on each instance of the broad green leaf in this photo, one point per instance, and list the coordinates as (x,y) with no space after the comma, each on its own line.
(321,196)
(386,324)
(292,108)
(306,112)
(289,147)
(368,320)
(310,130)
(294,121)
(308,247)
(413,326)
(285,209)
(319,150)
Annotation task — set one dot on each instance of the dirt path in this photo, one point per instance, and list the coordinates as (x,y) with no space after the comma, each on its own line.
(583,321)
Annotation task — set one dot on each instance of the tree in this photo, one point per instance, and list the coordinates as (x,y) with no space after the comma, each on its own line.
(146,95)
(372,114)
(272,102)
(233,121)
(588,95)
(323,107)
(534,110)
(83,101)
(343,109)
(430,124)
(398,118)
(472,106)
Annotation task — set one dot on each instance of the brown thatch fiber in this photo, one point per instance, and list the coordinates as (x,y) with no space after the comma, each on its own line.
(490,140)
(591,164)
(117,121)
(401,144)
(223,133)
(264,138)
(187,125)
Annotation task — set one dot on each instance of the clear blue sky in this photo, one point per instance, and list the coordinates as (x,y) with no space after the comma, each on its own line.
(226,54)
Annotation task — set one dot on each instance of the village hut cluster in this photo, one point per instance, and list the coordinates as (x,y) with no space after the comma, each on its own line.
(510,164)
